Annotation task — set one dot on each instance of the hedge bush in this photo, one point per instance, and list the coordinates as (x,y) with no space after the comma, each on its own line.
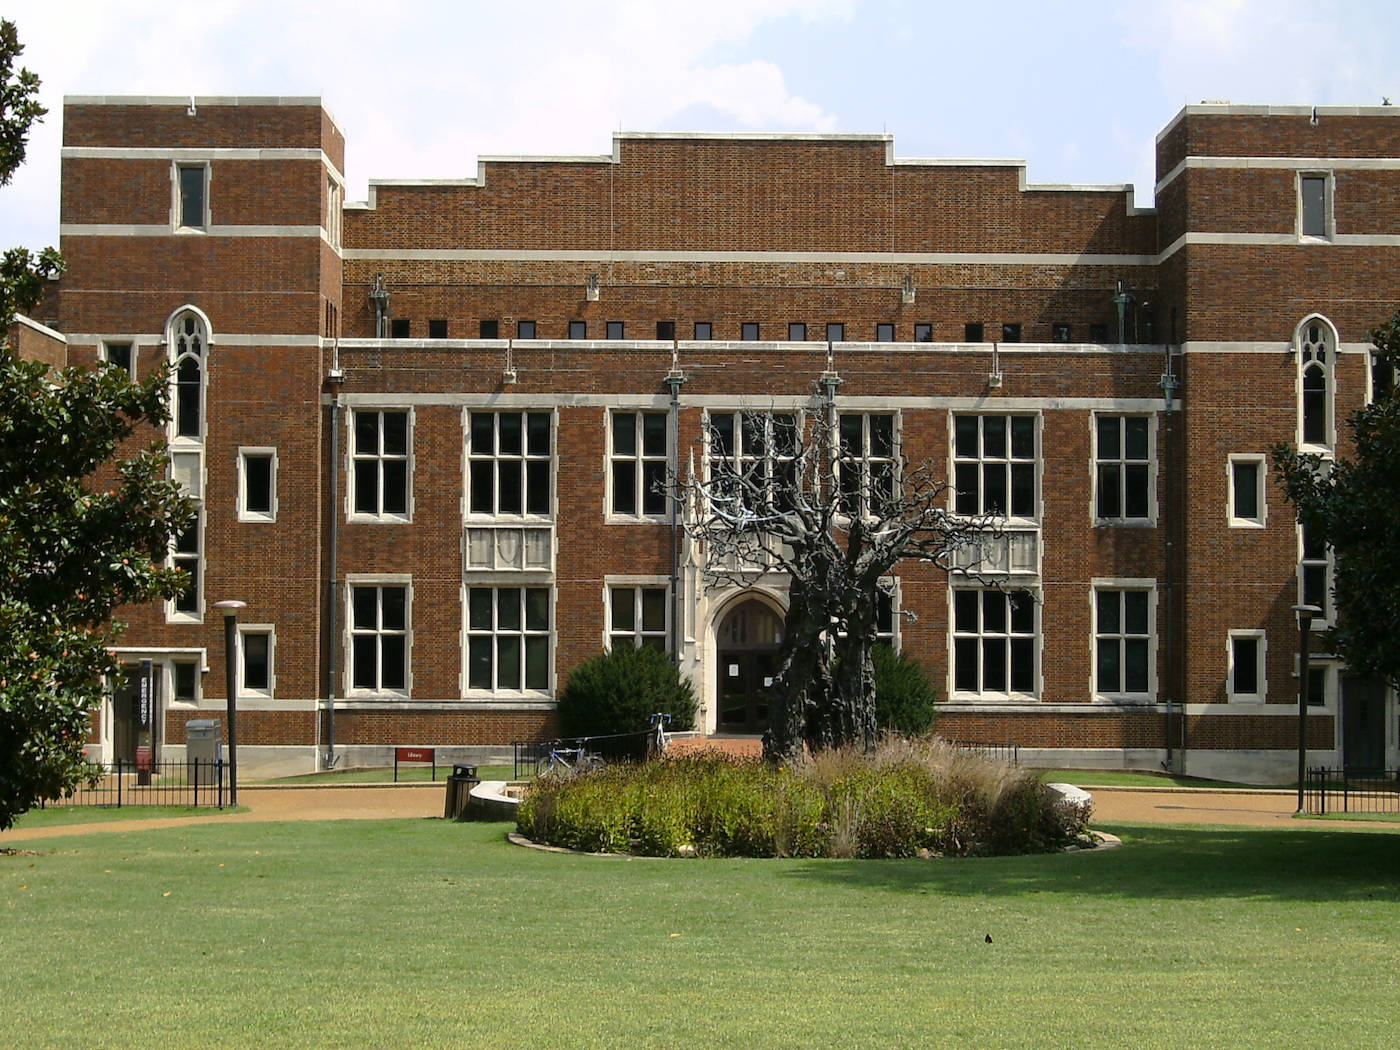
(909,798)
(904,695)
(617,691)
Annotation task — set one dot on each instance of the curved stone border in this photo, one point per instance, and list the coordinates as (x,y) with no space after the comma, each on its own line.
(1103,841)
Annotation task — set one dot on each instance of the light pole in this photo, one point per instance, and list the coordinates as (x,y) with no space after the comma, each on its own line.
(230,611)
(1305,619)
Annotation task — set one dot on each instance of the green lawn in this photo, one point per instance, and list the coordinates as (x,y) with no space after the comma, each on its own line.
(425,933)
(54,814)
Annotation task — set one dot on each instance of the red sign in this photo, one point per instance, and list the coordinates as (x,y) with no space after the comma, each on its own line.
(143,759)
(415,754)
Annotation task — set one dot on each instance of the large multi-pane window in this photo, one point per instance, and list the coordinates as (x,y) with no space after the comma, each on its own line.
(1315,572)
(381,458)
(508,463)
(1315,360)
(865,465)
(379,637)
(188,340)
(508,636)
(187,555)
(1123,641)
(994,465)
(994,641)
(638,616)
(1122,474)
(638,463)
(751,459)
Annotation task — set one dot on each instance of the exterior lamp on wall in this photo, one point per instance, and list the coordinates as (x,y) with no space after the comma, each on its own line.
(1306,613)
(230,611)
(906,295)
(591,293)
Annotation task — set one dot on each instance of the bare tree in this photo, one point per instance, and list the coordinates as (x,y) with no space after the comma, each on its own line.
(830,502)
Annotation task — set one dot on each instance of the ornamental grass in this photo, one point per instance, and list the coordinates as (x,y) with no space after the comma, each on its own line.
(909,797)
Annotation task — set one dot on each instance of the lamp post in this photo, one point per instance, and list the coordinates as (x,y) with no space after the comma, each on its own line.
(1305,619)
(230,611)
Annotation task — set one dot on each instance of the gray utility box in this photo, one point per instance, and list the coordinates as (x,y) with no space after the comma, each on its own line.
(202,741)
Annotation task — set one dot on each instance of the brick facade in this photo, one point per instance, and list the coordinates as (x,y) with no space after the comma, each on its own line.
(677,232)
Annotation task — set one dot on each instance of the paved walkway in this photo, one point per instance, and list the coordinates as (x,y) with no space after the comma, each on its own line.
(1241,807)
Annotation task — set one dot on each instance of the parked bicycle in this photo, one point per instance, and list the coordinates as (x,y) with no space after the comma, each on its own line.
(659,721)
(566,761)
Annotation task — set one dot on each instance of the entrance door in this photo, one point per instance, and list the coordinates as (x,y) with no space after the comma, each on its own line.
(126,722)
(749,639)
(1363,724)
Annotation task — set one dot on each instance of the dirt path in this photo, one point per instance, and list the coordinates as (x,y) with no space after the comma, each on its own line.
(378,802)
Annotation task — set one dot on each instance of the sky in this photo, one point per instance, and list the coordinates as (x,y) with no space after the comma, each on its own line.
(422,88)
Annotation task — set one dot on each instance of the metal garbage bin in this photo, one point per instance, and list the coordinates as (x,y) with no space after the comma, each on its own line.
(202,751)
(459,791)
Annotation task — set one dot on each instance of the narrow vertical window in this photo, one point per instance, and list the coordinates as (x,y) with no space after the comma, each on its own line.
(1316,352)
(1314,206)
(865,465)
(192,180)
(1246,491)
(255,667)
(257,484)
(187,556)
(1122,468)
(1122,642)
(1246,670)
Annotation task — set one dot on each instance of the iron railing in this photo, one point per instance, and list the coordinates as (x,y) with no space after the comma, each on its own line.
(1008,753)
(1351,791)
(615,747)
(193,782)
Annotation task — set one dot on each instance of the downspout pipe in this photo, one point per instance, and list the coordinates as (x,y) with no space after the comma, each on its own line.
(1170,383)
(675,379)
(335,379)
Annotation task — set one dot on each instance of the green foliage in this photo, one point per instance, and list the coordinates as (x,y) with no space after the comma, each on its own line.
(904,696)
(618,690)
(1354,505)
(918,798)
(77,540)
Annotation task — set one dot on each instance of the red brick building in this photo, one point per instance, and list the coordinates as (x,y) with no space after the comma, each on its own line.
(422,430)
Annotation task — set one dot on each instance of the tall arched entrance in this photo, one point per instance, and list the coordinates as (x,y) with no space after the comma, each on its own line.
(747,644)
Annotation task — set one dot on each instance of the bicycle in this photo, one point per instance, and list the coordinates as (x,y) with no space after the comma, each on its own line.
(659,721)
(566,761)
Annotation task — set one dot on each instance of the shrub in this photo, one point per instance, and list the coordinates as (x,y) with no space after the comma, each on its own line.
(618,690)
(910,797)
(904,696)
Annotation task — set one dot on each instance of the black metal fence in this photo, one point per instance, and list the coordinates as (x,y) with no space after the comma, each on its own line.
(1008,753)
(195,782)
(1351,791)
(530,755)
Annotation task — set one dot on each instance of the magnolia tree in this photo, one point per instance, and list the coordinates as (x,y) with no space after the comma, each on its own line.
(829,503)
(79,534)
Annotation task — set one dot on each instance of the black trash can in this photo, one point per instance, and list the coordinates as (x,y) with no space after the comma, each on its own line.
(459,791)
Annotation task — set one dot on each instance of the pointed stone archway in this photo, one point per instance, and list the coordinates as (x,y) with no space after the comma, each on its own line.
(748,641)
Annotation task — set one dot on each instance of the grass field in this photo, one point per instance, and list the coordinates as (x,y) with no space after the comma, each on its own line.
(425,933)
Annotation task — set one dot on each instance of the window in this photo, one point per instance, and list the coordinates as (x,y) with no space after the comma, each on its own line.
(1382,377)
(704,330)
(187,555)
(1246,491)
(489,328)
(923,332)
(1246,668)
(257,484)
(1123,641)
(334,212)
(120,355)
(615,330)
(835,332)
(381,464)
(972,332)
(797,332)
(525,330)
(884,333)
(638,463)
(865,467)
(748,331)
(1316,349)
(1098,333)
(638,616)
(885,604)
(192,197)
(184,681)
(1122,468)
(508,638)
(379,637)
(501,549)
(665,329)
(188,340)
(751,458)
(1315,205)
(578,329)
(994,465)
(994,641)
(1314,572)
(400,328)
(255,659)
(437,329)
(1059,333)
(1010,333)
(1320,685)
(508,463)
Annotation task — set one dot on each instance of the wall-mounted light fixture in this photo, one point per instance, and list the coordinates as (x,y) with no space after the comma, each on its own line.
(906,294)
(590,293)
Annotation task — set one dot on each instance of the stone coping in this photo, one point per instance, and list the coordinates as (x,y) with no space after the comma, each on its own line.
(1104,841)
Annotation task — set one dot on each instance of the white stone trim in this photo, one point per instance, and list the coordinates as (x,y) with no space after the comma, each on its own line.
(1290,239)
(602,255)
(97,229)
(45,330)
(1278,164)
